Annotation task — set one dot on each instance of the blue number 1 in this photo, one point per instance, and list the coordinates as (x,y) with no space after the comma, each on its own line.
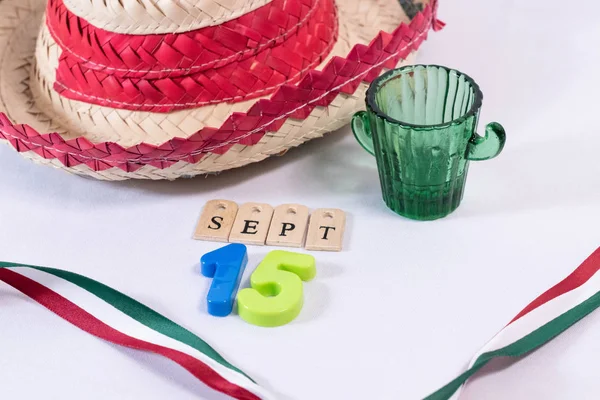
(226,266)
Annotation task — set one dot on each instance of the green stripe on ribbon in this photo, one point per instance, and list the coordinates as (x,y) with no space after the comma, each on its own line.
(135,310)
(523,346)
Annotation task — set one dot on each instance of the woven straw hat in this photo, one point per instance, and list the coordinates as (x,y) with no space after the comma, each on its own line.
(162,89)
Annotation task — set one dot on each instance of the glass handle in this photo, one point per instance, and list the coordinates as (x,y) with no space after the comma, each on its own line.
(362,131)
(488,146)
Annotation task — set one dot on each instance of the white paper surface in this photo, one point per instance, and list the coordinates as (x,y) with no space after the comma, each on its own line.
(403,308)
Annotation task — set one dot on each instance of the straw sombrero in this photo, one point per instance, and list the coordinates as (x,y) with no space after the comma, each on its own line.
(162,89)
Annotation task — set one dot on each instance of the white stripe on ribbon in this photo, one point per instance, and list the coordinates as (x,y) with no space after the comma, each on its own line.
(541,316)
(537,318)
(129,326)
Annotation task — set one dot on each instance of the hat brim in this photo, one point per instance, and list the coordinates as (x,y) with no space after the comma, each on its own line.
(205,140)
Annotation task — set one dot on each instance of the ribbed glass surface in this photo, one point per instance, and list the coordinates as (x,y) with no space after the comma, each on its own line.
(420,125)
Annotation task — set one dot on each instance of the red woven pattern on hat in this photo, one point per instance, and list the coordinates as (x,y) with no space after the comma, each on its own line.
(317,88)
(158,56)
(252,77)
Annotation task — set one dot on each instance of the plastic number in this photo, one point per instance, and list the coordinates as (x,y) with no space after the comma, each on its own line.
(226,266)
(276,296)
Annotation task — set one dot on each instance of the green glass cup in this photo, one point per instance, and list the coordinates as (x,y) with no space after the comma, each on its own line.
(420,125)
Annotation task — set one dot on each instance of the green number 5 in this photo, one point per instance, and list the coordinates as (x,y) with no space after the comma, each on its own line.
(276,296)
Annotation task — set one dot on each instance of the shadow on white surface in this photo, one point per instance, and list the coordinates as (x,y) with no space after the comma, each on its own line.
(276,394)
(165,369)
(8,296)
(348,171)
(208,183)
(316,293)
(541,175)
(23,176)
(327,270)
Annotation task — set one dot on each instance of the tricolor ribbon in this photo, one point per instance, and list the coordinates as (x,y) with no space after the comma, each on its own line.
(117,318)
(542,320)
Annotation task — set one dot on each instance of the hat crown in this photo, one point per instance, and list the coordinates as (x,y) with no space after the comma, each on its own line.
(244,58)
(144,17)
(106,141)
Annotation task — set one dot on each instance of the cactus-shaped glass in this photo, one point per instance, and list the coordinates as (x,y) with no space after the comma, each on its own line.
(420,126)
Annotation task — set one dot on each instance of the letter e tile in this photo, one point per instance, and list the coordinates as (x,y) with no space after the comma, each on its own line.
(251,224)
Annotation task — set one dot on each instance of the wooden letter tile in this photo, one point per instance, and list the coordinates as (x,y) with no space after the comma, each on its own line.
(326,230)
(216,221)
(288,226)
(251,224)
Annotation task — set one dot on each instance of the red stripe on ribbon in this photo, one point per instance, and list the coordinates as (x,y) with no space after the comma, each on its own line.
(77,316)
(577,278)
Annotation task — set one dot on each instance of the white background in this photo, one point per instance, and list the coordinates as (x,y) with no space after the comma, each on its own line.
(402,309)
